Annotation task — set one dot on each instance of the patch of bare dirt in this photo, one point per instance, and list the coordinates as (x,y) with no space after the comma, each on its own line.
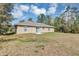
(61,44)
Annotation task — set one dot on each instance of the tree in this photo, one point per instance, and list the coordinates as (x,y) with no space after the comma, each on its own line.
(30,19)
(22,21)
(5,17)
(49,20)
(41,18)
(72,21)
(68,21)
(57,23)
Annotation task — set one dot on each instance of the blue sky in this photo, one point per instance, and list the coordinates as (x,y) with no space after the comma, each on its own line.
(23,11)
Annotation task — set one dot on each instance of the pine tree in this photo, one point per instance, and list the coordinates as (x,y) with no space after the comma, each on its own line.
(41,18)
(5,17)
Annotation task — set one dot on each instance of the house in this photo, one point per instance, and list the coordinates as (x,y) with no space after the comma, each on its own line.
(33,27)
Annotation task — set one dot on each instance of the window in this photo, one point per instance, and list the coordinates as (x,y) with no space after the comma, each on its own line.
(48,29)
(25,28)
(37,29)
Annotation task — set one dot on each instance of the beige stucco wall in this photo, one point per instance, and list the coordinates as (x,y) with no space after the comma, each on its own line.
(46,30)
(20,30)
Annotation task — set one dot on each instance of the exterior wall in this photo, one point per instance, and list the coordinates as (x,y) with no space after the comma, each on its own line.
(20,30)
(44,29)
(47,30)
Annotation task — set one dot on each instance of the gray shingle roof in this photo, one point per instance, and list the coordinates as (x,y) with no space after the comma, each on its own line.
(30,23)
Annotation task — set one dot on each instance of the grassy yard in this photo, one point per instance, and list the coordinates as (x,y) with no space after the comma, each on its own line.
(42,44)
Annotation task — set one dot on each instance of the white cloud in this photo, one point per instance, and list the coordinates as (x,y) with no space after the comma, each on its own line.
(17,14)
(24,7)
(52,9)
(18,10)
(53,5)
(43,11)
(16,7)
(37,10)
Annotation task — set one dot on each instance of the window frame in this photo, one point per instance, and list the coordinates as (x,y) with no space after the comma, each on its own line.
(49,29)
(25,28)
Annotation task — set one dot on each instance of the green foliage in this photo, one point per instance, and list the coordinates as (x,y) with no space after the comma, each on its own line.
(5,17)
(45,19)
(49,20)
(30,19)
(42,18)
(68,21)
